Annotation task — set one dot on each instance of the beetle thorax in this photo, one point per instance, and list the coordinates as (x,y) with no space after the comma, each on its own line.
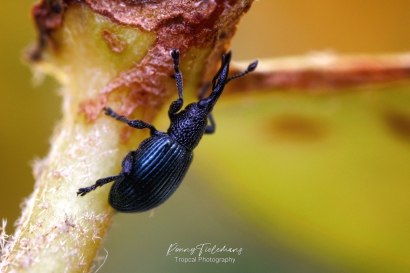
(188,126)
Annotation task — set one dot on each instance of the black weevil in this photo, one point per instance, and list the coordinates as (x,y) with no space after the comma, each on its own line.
(152,173)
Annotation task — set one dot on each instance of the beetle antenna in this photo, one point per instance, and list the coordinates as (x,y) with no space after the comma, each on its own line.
(250,68)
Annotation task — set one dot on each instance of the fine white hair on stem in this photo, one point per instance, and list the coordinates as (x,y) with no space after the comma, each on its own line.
(106,256)
(3,236)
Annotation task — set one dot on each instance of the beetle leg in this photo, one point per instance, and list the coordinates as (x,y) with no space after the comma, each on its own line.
(98,183)
(176,105)
(136,123)
(127,163)
(126,169)
(210,129)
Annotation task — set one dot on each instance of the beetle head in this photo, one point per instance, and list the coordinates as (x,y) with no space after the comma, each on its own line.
(188,126)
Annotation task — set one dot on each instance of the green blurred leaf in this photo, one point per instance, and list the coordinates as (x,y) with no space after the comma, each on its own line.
(326,174)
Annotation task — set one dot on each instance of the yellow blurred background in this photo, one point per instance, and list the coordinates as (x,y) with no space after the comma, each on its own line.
(199,213)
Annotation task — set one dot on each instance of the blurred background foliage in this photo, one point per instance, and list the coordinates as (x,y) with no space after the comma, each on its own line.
(327,197)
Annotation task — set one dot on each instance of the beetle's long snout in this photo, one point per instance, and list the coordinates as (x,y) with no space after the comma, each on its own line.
(218,84)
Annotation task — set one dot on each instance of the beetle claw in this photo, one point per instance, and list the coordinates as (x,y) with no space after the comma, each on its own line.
(83,191)
(175,54)
(108,111)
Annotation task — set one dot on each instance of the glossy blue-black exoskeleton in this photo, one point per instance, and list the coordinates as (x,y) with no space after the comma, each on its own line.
(152,173)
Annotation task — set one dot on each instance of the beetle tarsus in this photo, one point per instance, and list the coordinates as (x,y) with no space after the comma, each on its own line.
(136,123)
(98,183)
(175,55)
(108,111)
(84,191)
(177,104)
